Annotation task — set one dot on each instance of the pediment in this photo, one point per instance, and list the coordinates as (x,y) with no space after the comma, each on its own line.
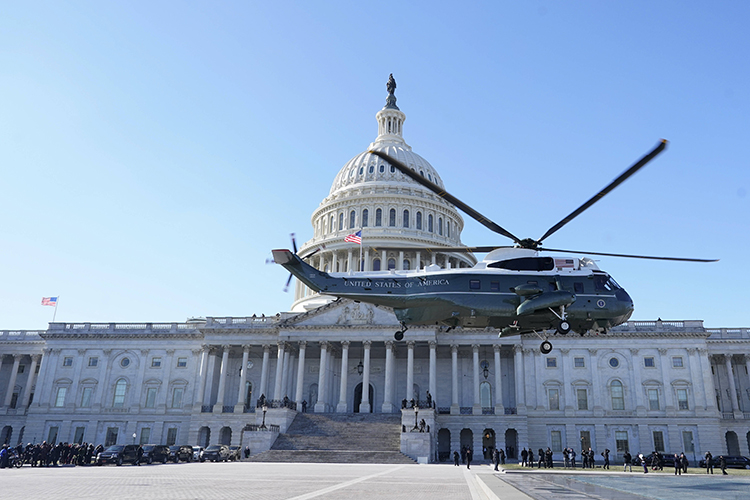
(344,313)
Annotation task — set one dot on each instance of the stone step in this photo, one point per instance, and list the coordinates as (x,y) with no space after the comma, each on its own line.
(332,456)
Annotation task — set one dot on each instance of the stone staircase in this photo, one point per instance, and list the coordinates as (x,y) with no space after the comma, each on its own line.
(339,438)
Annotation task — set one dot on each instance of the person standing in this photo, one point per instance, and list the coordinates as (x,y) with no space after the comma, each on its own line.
(677,465)
(643,463)
(709,463)
(572,454)
(496,458)
(540,454)
(524,456)
(455,458)
(627,458)
(530,460)
(606,458)
(469,454)
(502,457)
(723,464)
(684,462)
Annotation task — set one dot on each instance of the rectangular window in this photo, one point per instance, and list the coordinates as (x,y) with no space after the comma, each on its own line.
(687,442)
(682,399)
(21,368)
(474,284)
(181,362)
(556,441)
(119,399)
(86,397)
(155,362)
(585,440)
(578,287)
(552,362)
(583,399)
(60,396)
(145,435)
(659,441)
(554,399)
(150,397)
(579,362)
(67,361)
(677,362)
(93,361)
(648,362)
(621,441)
(78,436)
(653,399)
(52,435)
(111,436)
(171,436)
(177,397)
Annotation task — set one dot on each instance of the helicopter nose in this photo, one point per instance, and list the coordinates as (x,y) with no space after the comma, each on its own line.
(624,299)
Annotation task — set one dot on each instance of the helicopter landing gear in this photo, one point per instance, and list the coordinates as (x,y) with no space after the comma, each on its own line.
(399,335)
(563,327)
(546,347)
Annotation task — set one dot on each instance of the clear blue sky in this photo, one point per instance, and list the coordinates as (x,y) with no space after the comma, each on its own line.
(153,153)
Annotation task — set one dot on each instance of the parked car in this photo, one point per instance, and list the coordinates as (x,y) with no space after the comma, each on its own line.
(181,453)
(216,453)
(667,460)
(733,462)
(118,454)
(235,453)
(197,453)
(155,453)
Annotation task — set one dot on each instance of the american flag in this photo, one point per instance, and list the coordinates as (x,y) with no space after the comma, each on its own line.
(49,301)
(354,238)
(560,263)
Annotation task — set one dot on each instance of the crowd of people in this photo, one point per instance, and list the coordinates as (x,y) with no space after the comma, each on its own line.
(48,454)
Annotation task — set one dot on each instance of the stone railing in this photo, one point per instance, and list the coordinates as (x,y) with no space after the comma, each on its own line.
(727,415)
(207,408)
(276,403)
(245,322)
(122,327)
(728,333)
(659,325)
(510,410)
(262,428)
(227,409)
(16,335)
(490,410)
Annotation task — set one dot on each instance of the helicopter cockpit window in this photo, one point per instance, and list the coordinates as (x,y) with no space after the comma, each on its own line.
(578,287)
(614,284)
(602,284)
(525,264)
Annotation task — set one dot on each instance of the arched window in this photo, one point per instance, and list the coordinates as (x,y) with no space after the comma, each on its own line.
(429,223)
(448,228)
(352,219)
(485,394)
(365,216)
(332,227)
(391,264)
(341,221)
(440,226)
(121,388)
(372,168)
(392,217)
(618,400)
(379,217)
(419,221)
(407,266)
(406,218)
(382,168)
(361,170)
(376,265)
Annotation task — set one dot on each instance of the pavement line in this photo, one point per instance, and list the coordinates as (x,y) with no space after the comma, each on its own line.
(471,482)
(346,484)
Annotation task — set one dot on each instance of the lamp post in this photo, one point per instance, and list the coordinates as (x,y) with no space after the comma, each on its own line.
(416,416)
(265,409)
(134,438)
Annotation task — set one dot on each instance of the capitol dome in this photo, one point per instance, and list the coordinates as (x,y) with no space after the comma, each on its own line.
(389,208)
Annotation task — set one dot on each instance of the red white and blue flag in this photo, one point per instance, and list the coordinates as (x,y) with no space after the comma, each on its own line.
(49,301)
(354,238)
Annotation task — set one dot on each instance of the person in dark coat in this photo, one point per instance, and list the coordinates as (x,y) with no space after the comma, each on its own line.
(548,458)
(677,465)
(469,454)
(684,462)
(524,456)
(605,454)
(627,458)
(502,457)
(139,455)
(723,464)
(455,458)
(496,458)
(540,455)
(530,460)
(709,463)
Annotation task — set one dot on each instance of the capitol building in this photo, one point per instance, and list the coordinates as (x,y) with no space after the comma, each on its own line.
(670,386)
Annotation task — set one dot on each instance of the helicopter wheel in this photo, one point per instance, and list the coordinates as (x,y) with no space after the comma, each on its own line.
(399,335)
(546,347)
(563,327)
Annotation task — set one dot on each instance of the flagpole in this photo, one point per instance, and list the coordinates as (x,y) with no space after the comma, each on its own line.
(361,264)
(55,313)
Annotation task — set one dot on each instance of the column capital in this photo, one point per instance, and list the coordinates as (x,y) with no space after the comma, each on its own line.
(107,352)
(433,344)
(170,352)
(226,347)
(266,348)
(367,344)
(36,357)
(205,347)
(454,348)
(634,351)
(389,344)
(565,350)
(302,344)
(196,351)
(144,352)
(17,357)
(345,344)
(662,351)
(593,351)
(517,348)
(475,348)
(245,347)
(281,344)
(691,351)
(496,348)
(324,344)
(410,344)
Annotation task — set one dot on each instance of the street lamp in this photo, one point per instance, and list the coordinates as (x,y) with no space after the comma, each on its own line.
(416,416)
(134,438)
(265,409)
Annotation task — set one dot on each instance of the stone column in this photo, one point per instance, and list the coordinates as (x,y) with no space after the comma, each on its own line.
(400,263)
(35,358)
(699,396)
(168,377)
(418,261)
(433,371)
(279,367)
(284,375)
(730,377)
(368,264)
(518,371)
(668,399)
(640,406)
(264,371)
(300,374)
(289,373)
(350,261)
(203,370)
(747,368)
(105,382)
(242,393)
(455,408)
(222,377)
(364,407)
(597,389)
(708,383)
(388,389)
(477,405)
(342,406)
(499,409)
(409,371)
(320,406)
(12,380)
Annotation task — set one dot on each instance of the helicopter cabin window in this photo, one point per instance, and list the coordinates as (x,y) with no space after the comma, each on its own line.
(378,217)
(525,264)
(578,287)
(392,217)
(406,218)
(365,217)
(352,218)
(419,221)
(475,284)
(604,283)
(494,286)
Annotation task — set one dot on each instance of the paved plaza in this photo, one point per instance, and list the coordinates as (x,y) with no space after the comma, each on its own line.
(269,481)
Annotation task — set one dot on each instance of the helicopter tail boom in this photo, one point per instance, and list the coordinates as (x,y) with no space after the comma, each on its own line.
(299,268)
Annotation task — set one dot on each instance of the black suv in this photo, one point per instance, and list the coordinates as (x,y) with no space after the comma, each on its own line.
(216,453)
(733,462)
(118,454)
(155,453)
(182,453)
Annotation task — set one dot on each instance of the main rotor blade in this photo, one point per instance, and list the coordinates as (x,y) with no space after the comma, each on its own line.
(485,249)
(680,259)
(598,196)
(446,196)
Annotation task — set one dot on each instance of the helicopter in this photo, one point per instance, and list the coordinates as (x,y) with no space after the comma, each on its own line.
(513,289)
